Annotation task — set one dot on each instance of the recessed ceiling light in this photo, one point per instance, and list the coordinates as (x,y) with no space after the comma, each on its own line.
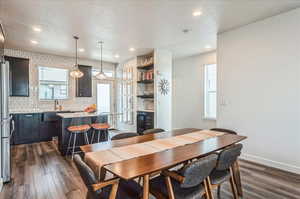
(197,13)
(117,56)
(131,49)
(34,42)
(81,50)
(37,29)
(208,46)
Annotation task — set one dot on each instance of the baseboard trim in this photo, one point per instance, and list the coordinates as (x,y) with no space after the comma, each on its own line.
(271,163)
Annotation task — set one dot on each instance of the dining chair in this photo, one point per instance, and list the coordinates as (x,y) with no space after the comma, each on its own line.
(224,130)
(148,131)
(78,126)
(124,135)
(190,182)
(109,189)
(224,170)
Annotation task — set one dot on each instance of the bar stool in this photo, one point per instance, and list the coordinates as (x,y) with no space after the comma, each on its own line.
(99,126)
(78,126)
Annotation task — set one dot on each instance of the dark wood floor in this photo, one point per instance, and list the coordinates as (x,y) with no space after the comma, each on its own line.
(39,172)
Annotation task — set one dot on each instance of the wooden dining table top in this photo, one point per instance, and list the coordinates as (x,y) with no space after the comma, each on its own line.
(143,165)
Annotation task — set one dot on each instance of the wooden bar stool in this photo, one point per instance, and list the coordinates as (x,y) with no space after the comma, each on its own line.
(99,126)
(78,126)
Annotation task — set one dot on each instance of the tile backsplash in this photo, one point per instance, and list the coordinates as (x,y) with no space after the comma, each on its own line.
(31,103)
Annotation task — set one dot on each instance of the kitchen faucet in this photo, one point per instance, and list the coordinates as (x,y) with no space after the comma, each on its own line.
(55,104)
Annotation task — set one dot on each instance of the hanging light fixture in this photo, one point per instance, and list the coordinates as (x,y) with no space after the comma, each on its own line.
(101,74)
(76,73)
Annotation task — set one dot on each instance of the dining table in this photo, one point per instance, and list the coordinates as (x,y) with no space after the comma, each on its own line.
(144,155)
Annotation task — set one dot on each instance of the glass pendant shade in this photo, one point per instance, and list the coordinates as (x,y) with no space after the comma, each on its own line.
(75,72)
(101,75)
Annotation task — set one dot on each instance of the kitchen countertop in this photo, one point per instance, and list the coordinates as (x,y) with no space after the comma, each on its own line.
(78,114)
(38,111)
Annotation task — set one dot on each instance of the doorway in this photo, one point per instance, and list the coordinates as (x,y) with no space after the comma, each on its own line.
(105,99)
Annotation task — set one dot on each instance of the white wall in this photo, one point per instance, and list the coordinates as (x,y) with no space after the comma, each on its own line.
(259,88)
(188,91)
(163,103)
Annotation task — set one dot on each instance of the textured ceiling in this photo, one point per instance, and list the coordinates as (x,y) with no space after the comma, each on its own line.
(121,24)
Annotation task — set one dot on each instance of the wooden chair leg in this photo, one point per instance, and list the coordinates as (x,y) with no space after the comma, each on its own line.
(207,187)
(237,178)
(113,192)
(169,187)
(233,185)
(219,192)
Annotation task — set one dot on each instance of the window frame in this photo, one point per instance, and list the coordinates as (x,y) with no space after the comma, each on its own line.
(39,83)
(206,116)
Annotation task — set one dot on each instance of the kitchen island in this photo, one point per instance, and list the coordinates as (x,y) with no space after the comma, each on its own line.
(65,121)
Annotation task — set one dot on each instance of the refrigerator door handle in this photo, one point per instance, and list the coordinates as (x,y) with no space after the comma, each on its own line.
(12,127)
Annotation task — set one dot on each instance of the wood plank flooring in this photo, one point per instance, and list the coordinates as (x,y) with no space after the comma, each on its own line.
(40,172)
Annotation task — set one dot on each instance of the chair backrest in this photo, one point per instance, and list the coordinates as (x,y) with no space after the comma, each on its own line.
(77,121)
(124,135)
(224,130)
(195,172)
(148,131)
(86,173)
(228,156)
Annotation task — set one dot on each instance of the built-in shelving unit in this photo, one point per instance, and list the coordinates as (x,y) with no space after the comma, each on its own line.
(145,82)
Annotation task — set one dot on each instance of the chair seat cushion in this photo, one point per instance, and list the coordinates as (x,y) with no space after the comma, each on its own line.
(158,184)
(218,177)
(99,126)
(84,127)
(126,190)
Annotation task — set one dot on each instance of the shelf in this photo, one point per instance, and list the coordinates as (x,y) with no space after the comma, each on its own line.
(146,96)
(147,67)
(145,82)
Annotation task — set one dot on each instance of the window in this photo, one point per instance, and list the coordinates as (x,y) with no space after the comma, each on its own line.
(210,101)
(125,90)
(53,83)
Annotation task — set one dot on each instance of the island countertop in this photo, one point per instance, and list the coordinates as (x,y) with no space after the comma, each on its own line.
(78,114)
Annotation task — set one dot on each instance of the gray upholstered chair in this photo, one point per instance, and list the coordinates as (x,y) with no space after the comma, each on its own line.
(190,182)
(124,135)
(223,170)
(148,131)
(113,188)
(224,130)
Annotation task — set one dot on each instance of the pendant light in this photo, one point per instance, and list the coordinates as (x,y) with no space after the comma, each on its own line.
(101,75)
(76,73)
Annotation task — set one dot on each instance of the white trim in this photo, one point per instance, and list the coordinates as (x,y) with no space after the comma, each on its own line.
(1,184)
(271,163)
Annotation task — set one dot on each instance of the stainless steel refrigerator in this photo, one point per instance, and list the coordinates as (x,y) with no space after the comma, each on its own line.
(5,120)
(5,124)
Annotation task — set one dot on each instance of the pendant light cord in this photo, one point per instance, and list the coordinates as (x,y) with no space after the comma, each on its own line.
(101,43)
(76,53)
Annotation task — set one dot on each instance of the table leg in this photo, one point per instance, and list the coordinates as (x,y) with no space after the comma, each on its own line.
(237,178)
(146,187)
(102,174)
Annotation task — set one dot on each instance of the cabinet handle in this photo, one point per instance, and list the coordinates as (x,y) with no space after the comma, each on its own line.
(28,115)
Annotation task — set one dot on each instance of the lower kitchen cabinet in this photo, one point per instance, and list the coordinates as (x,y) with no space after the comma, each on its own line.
(34,127)
(26,128)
